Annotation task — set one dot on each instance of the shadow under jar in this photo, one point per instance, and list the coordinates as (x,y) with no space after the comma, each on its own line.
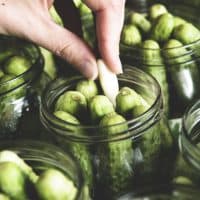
(129,158)
(20,93)
(188,161)
(177,69)
(41,156)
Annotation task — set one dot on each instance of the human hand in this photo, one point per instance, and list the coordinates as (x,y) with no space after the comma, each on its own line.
(30,20)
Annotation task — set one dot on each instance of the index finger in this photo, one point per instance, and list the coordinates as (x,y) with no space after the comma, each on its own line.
(109,22)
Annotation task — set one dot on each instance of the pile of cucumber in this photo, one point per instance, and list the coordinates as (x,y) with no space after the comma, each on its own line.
(112,166)
(166,46)
(19,181)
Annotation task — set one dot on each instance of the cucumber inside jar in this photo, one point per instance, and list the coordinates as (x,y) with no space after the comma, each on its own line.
(174,61)
(19,72)
(110,164)
(17,182)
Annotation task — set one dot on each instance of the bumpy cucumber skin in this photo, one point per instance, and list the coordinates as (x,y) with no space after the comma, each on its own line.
(10,156)
(126,100)
(72,102)
(186,33)
(162,28)
(47,188)
(155,146)
(4,197)
(79,151)
(13,181)
(150,53)
(17,65)
(178,21)
(115,158)
(131,35)
(88,88)
(175,52)
(99,106)
(140,21)
(156,10)
(153,64)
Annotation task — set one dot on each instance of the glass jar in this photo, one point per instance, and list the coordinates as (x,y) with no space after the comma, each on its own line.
(178,75)
(188,161)
(164,192)
(20,95)
(141,155)
(41,156)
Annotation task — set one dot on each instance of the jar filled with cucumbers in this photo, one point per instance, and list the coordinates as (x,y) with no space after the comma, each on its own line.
(22,81)
(166,44)
(119,145)
(37,170)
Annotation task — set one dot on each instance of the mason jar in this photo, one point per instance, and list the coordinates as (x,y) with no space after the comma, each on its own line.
(142,154)
(176,69)
(41,156)
(20,94)
(188,160)
(164,192)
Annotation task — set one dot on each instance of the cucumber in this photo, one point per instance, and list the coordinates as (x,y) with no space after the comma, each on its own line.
(99,106)
(153,64)
(17,65)
(13,181)
(162,28)
(156,161)
(88,88)
(52,184)
(115,158)
(10,156)
(131,35)
(78,150)
(73,102)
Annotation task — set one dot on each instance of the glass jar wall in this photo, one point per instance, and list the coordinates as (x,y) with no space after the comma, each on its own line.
(175,67)
(21,84)
(188,162)
(35,159)
(164,192)
(140,154)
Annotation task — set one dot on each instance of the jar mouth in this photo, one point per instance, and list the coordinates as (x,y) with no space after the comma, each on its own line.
(188,46)
(48,155)
(164,192)
(93,133)
(189,138)
(32,52)
(187,53)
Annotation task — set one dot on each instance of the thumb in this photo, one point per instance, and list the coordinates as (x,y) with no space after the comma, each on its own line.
(65,44)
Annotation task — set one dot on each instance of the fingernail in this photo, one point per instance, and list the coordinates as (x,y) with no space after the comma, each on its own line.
(89,70)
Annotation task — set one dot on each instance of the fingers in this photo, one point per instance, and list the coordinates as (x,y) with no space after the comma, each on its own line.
(109,22)
(108,36)
(67,45)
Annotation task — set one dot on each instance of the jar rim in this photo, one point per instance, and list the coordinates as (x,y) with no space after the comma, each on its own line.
(27,76)
(136,125)
(187,145)
(34,151)
(163,49)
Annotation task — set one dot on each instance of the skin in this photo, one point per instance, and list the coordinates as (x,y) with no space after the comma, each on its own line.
(30,20)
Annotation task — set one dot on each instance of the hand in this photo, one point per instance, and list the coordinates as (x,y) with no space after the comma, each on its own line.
(30,20)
